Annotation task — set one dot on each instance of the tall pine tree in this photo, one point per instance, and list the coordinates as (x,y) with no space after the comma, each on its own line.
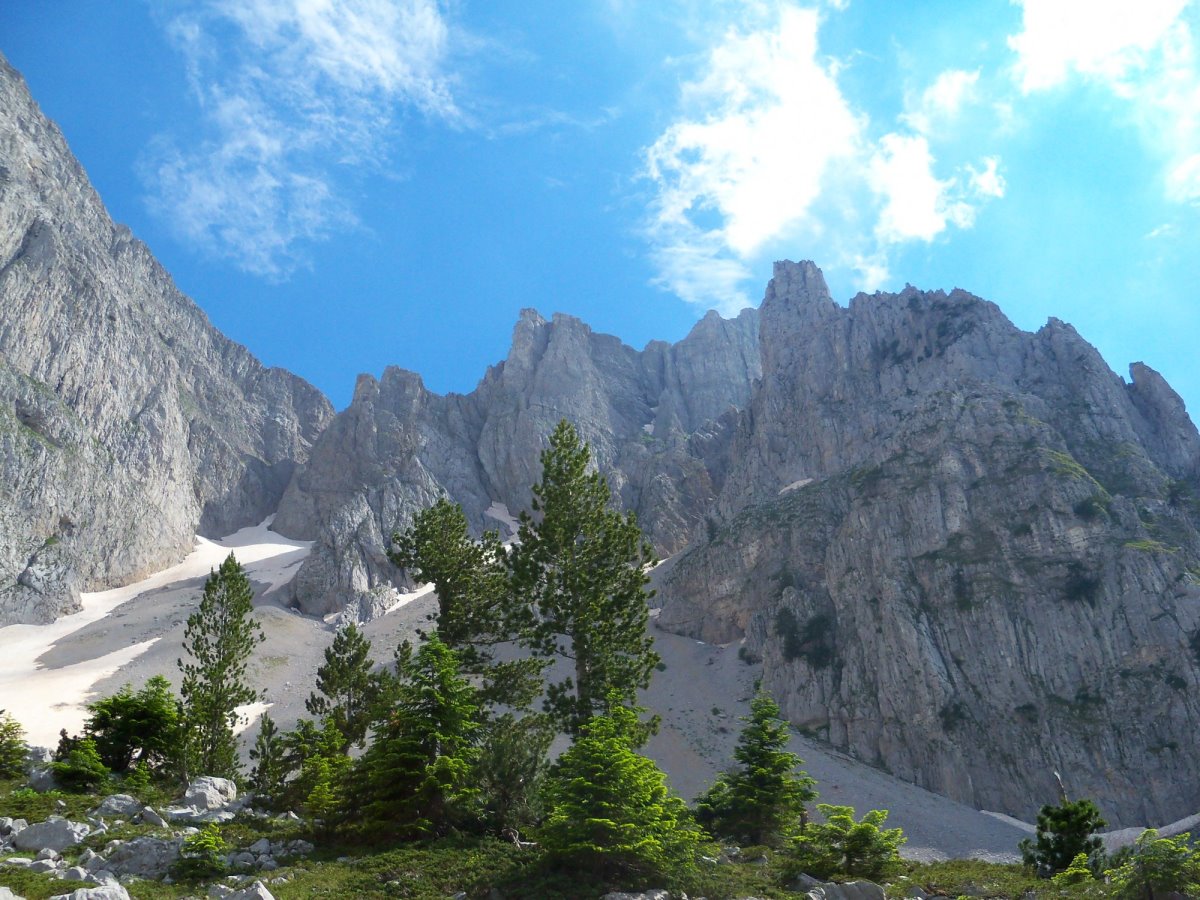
(347,690)
(219,638)
(581,567)
(762,800)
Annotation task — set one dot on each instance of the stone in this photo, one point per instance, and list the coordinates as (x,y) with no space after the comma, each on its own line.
(644,895)
(103,892)
(851,890)
(262,845)
(256,891)
(7,894)
(76,873)
(144,857)
(151,817)
(56,833)
(44,865)
(47,853)
(208,793)
(243,860)
(118,805)
(42,780)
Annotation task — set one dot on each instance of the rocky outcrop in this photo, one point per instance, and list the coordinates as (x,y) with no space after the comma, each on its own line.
(127,422)
(654,419)
(965,553)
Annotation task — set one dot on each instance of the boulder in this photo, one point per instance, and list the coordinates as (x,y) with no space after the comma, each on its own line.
(77,873)
(151,817)
(6,894)
(11,826)
(851,890)
(256,891)
(207,792)
(645,895)
(103,892)
(41,779)
(118,805)
(145,857)
(56,833)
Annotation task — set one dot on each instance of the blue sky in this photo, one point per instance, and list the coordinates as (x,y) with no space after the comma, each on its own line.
(348,185)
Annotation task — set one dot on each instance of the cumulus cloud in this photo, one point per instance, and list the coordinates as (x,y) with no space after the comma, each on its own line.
(291,93)
(1142,51)
(768,151)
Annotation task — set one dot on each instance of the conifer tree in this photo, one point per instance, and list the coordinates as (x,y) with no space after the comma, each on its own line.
(762,800)
(347,690)
(415,778)
(271,769)
(476,609)
(609,809)
(581,567)
(13,748)
(141,727)
(219,638)
(1063,832)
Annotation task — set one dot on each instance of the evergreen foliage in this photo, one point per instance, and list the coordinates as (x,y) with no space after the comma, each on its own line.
(762,801)
(1063,832)
(415,779)
(13,748)
(347,690)
(843,847)
(581,567)
(141,727)
(80,768)
(202,854)
(610,813)
(219,638)
(510,771)
(1158,866)
(268,779)
(476,609)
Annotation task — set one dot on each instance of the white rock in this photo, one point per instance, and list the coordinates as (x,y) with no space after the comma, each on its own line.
(151,817)
(43,865)
(47,853)
(103,892)
(77,873)
(6,894)
(256,891)
(56,833)
(262,845)
(207,793)
(118,805)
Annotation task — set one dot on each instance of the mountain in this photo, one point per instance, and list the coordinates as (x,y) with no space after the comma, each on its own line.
(128,423)
(655,419)
(964,553)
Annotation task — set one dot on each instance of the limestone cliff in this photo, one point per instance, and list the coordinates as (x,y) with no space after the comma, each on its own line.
(650,417)
(965,553)
(127,422)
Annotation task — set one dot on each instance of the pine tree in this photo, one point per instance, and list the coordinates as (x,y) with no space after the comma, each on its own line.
(842,846)
(348,690)
(581,567)
(476,609)
(1063,832)
(269,776)
(13,748)
(415,778)
(609,809)
(219,638)
(762,801)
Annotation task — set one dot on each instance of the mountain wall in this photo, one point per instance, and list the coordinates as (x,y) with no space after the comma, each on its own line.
(127,422)
(654,419)
(965,553)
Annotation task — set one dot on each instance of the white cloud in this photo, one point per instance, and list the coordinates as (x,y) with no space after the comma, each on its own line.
(767,151)
(291,93)
(1143,52)
(941,102)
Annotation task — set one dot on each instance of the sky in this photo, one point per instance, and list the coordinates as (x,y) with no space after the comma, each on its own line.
(344,185)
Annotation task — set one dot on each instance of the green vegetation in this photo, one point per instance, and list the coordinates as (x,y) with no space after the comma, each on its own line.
(347,689)
(202,855)
(12,746)
(78,766)
(219,639)
(1148,545)
(131,729)
(1156,866)
(581,566)
(610,813)
(812,642)
(1063,832)
(840,846)
(762,801)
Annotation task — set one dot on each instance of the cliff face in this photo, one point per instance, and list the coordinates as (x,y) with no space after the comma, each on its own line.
(651,417)
(965,553)
(127,422)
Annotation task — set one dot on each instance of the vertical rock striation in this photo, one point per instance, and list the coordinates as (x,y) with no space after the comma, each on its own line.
(965,553)
(127,422)
(651,418)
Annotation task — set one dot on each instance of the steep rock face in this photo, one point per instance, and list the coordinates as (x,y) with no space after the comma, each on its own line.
(965,553)
(652,418)
(127,422)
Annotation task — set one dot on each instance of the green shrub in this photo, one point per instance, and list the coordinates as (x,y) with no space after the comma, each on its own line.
(131,728)
(1158,866)
(843,847)
(13,748)
(202,855)
(81,769)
